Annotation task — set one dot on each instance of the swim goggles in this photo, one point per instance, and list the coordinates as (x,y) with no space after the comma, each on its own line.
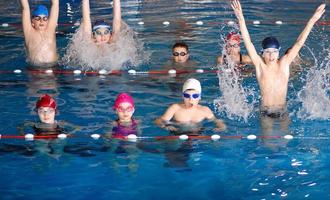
(128,109)
(189,96)
(105,32)
(39,18)
(179,53)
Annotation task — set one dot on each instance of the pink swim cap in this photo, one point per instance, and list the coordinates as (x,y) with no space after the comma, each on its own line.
(233,36)
(46,101)
(123,98)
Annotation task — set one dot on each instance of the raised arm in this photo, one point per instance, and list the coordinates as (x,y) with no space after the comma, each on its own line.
(256,60)
(54,12)
(116,22)
(26,19)
(289,57)
(86,20)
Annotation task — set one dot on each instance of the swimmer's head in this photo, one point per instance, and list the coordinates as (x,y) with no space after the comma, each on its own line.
(270,42)
(270,49)
(233,43)
(101,31)
(46,108)
(180,52)
(191,92)
(40,17)
(124,106)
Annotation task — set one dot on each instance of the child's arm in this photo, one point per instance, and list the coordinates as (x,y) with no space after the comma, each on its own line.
(116,22)
(256,60)
(86,20)
(53,18)
(220,125)
(26,20)
(290,56)
(163,121)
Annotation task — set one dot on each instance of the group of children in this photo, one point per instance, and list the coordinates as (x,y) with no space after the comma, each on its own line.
(272,71)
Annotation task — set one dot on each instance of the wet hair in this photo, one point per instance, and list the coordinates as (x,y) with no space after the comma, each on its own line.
(180,44)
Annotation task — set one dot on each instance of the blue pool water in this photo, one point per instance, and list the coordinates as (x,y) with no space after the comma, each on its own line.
(83,168)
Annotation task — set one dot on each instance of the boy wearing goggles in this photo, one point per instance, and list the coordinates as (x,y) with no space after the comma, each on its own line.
(189,111)
(40,33)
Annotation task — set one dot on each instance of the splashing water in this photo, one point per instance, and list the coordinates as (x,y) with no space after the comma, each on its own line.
(315,95)
(234,100)
(82,52)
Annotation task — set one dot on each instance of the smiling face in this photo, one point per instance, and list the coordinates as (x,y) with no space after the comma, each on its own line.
(191,98)
(102,35)
(40,22)
(125,112)
(46,115)
(180,54)
(270,55)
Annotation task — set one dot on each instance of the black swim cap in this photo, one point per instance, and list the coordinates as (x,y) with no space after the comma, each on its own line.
(270,42)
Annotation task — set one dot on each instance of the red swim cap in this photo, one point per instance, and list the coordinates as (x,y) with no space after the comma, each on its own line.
(233,36)
(46,101)
(123,98)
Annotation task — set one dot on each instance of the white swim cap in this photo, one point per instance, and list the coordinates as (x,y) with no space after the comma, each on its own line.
(192,84)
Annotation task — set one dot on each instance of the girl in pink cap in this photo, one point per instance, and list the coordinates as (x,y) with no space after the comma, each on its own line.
(125,124)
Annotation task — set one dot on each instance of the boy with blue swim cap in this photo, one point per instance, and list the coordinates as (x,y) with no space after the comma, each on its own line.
(40,33)
(101,32)
(272,71)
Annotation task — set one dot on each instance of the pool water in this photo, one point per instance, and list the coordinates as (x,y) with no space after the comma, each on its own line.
(230,168)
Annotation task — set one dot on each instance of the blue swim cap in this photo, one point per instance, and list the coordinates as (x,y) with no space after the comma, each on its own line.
(101,24)
(270,42)
(40,10)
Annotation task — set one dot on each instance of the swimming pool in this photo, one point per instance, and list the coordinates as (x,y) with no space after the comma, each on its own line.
(232,168)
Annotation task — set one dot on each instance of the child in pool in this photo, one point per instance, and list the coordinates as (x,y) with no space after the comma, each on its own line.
(272,71)
(46,108)
(233,52)
(125,124)
(40,33)
(189,112)
(101,32)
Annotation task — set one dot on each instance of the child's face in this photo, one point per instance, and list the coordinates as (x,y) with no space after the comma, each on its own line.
(46,115)
(125,111)
(233,47)
(102,35)
(180,54)
(40,22)
(270,55)
(191,98)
